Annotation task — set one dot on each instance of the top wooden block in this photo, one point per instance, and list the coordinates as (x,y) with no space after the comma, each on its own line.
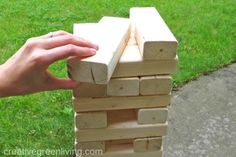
(111,34)
(155,40)
(132,64)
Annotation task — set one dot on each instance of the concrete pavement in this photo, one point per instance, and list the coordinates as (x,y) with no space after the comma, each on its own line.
(202,117)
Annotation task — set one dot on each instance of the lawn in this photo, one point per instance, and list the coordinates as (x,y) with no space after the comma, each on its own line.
(205,30)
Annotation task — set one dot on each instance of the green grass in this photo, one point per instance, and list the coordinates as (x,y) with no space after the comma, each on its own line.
(205,31)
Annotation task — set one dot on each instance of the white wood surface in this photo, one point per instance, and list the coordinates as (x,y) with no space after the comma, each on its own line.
(117,103)
(132,64)
(155,40)
(111,34)
(91,120)
(154,85)
(147,144)
(123,87)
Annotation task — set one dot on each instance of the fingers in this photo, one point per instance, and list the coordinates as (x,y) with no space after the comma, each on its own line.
(65,84)
(54,83)
(66,51)
(61,40)
(53,34)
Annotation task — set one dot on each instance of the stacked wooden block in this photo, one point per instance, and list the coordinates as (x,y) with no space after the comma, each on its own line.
(123,110)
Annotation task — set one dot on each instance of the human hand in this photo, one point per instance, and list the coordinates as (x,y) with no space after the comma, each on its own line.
(26,71)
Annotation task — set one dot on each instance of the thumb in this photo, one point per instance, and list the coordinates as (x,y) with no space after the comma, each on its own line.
(64,83)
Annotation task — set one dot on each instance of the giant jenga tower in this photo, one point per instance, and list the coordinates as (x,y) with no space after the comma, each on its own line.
(121,105)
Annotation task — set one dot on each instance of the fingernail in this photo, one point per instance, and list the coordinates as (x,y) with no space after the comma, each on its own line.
(93,51)
(97,47)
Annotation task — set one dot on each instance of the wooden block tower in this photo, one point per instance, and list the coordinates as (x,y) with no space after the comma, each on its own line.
(121,104)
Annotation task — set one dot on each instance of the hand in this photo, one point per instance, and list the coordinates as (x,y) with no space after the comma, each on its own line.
(26,71)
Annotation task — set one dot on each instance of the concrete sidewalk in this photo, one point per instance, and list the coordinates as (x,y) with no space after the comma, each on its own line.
(202,117)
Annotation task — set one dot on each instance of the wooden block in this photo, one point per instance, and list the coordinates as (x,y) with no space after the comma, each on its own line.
(111,34)
(113,133)
(91,120)
(126,150)
(132,64)
(155,40)
(147,144)
(118,142)
(132,41)
(152,115)
(90,90)
(94,145)
(123,87)
(154,85)
(75,103)
(117,103)
(121,127)
(86,29)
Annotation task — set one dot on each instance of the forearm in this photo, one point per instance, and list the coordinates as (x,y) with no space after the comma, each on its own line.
(9,83)
(3,89)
